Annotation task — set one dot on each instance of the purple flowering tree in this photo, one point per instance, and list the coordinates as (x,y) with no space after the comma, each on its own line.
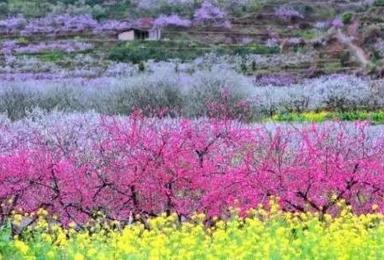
(62,24)
(12,25)
(208,13)
(287,13)
(172,20)
(112,26)
(337,23)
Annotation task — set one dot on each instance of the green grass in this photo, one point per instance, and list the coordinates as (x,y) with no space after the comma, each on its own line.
(140,51)
(379,2)
(52,56)
(306,34)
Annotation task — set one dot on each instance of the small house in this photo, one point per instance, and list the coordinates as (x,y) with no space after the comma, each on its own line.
(142,29)
(153,34)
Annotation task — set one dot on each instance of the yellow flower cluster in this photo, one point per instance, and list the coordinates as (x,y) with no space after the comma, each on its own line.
(321,116)
(310,116)
(264,233)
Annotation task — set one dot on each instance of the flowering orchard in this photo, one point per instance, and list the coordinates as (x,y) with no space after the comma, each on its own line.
(126,167)
(215,93)
(64,24)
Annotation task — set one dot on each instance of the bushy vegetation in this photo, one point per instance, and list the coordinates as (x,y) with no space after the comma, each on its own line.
(215,93)
(379,2)
(137,52)
(159,51)
(347,17)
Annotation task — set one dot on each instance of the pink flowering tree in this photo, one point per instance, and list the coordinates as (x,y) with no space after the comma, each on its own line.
(134,168)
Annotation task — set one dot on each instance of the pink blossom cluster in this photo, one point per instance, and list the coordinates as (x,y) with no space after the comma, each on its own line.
(133,166)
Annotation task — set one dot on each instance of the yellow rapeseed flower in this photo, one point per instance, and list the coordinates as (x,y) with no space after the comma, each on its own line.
(78,256)
(21,246)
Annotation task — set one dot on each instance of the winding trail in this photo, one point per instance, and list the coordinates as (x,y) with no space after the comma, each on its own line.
(354,49)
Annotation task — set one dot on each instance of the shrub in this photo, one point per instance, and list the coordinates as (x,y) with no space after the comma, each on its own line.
(136,55)
(216,96)
(54,56)
(98,12)
(198,86)
(155,100)
(17,102)
(3,10)
(287,13)
(347,17)
(159,51)
(254,49)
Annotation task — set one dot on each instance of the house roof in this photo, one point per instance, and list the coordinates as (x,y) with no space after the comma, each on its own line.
(144,23)
(136,29)
(130,29)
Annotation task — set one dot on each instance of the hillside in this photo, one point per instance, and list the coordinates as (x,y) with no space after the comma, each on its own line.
(273,30)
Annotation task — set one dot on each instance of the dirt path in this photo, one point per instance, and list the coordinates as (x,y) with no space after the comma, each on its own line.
(355,50)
